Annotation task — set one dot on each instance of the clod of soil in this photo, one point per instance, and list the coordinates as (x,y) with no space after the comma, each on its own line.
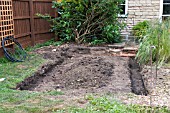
(80,68)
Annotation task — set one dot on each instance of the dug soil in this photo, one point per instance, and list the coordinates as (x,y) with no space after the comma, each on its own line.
(89,69)
(80,70)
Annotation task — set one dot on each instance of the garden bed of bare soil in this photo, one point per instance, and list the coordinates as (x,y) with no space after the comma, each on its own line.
(79,70)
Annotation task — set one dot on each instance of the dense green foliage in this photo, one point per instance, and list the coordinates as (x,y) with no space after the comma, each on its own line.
(158,35)
(86,20)
(140,29)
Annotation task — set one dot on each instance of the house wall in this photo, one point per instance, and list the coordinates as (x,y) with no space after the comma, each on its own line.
(140,10)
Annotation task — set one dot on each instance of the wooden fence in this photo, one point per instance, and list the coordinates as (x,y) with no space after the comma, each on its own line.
(28,28)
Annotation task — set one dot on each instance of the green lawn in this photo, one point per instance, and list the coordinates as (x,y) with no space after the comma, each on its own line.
(15,101)
(22,101)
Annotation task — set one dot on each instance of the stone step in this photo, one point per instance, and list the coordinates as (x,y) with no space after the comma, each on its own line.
(117,45)
(115,50)
(130,49)
(121,49)
(124,55)
(127,55)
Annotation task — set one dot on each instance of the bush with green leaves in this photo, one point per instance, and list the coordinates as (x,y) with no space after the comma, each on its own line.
(158,35)
(140,29)
(86,20)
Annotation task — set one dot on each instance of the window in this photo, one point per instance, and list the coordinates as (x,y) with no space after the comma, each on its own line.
(166,9)
(124,7)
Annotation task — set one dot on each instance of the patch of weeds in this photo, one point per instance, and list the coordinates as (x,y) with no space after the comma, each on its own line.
(97,42)
(3,60)
(48,43)
(109,105)
(55,93)
(48,102)
(89,97)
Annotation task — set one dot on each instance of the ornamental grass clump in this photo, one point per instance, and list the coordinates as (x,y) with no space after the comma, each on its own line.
(158,35)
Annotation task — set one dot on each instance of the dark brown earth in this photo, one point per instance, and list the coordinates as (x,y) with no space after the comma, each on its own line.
(77,70)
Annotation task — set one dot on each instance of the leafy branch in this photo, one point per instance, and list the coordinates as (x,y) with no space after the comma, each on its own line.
(86,20)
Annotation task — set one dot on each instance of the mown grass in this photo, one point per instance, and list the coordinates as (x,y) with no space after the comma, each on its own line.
(16,101)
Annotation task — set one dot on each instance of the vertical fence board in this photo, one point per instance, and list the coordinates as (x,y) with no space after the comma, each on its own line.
(41,26)
(32,22)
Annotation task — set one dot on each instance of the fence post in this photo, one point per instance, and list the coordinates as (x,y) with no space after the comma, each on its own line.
(32,22)
(56,38)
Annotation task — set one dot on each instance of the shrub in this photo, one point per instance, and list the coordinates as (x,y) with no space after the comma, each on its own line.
(158,35)
(140,29)
(86,20)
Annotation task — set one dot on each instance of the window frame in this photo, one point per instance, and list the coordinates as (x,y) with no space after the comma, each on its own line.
(161,10)
(126,9)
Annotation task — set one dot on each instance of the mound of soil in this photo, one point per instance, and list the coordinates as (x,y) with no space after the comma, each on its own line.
(89,69)
(84,72)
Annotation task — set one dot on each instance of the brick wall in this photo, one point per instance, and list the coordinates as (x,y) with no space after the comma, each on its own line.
(140,10)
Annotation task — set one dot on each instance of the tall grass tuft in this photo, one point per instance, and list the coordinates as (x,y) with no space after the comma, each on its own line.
(158,35)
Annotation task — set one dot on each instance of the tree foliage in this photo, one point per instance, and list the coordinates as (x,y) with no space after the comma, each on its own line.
(86,20)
